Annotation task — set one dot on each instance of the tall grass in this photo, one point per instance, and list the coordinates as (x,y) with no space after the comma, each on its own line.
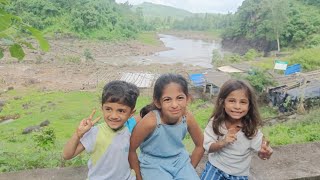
(304,129)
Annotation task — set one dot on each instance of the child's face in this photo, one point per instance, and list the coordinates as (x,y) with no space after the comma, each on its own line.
(236,104)
(116,114)
(173,103)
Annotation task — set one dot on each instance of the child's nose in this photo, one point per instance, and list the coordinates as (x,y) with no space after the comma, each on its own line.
(174,103)
(114,115)
(237,105)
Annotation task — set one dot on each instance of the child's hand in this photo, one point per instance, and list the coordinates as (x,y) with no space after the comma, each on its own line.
(265,151)
(231,136)
(86,124)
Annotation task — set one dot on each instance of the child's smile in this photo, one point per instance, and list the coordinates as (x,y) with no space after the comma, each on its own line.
(236,104)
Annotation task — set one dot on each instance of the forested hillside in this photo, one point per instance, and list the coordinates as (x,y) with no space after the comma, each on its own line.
(101,19)
(294,23)
(270,24)
(151,11)
(262,24)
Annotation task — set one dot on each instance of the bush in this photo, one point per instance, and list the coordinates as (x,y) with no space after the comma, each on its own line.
(251,54)
(45,139)
(308,58)
(314,41)
(259,80)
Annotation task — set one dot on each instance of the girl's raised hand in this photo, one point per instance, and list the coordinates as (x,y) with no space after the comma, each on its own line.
(86,124)
(265,151)
(231,136)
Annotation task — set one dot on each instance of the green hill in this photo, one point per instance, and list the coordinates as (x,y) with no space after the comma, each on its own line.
(151,11)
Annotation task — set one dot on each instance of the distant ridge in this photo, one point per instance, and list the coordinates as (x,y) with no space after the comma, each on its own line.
(151,10)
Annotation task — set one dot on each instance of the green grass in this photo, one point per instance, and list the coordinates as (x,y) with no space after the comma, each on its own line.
(65,110)
(266,63)
(149,38)
(303,129)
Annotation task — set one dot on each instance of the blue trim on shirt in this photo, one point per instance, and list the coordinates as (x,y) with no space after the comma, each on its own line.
(131,123)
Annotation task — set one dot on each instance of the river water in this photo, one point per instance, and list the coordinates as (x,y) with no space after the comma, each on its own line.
(185,51)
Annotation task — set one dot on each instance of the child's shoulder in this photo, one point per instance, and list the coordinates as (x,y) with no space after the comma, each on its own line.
(131,123)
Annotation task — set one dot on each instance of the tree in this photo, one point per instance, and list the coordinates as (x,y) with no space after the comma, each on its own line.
(277,12)
(14,32)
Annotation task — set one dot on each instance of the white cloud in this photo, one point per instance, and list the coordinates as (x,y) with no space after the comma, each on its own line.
(196,6)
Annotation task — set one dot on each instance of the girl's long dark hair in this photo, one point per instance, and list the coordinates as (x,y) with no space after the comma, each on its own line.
(250,122)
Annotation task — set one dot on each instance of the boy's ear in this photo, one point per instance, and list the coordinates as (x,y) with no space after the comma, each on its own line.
(132,112)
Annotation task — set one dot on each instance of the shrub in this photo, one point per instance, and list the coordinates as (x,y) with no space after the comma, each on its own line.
(259,80)
(45,139)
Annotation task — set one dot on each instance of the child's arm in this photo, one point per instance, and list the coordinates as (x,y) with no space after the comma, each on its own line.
(140,132)
(197,138)
(137,118)
(73,146)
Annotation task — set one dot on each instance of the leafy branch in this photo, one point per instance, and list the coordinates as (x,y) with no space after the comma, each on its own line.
(14,34)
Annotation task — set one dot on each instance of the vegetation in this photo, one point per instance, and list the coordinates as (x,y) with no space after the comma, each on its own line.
(152,11)
(292,22)
(308,58)
(100,19)
(303,129)
(14,33)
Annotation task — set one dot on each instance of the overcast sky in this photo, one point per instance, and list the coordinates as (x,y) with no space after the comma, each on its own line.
(195,6)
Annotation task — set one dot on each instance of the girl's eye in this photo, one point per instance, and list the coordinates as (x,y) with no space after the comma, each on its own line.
(181,97)
(166,100)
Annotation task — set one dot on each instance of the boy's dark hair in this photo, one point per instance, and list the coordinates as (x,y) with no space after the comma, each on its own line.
(160,84)
(250,121)
(120,92)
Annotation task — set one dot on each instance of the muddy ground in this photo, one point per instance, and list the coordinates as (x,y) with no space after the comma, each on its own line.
(78,65)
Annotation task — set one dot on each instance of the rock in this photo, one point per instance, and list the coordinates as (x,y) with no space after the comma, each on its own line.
(17,97)
(44,123)
(2,103)
(31,129)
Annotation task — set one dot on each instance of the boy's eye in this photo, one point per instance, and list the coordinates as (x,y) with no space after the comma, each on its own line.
(121,111)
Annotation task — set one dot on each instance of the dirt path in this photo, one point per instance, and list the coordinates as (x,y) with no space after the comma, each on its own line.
(288,162)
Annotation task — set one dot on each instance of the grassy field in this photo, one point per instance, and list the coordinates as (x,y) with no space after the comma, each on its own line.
(64,110)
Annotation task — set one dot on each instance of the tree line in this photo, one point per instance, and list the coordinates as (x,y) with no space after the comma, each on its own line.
(101,19)
(293,23)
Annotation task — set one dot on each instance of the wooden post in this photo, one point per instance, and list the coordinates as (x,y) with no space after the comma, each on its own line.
(302,88)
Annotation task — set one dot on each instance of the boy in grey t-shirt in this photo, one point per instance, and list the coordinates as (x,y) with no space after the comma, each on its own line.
(108,143)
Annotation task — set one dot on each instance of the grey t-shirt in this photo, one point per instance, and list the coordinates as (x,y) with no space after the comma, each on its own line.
(234,158)
(109,152)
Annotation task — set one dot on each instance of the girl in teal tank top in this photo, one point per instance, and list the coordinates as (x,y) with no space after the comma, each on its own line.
(160,134)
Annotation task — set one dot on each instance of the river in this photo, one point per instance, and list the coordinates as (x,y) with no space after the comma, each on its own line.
(184,51)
